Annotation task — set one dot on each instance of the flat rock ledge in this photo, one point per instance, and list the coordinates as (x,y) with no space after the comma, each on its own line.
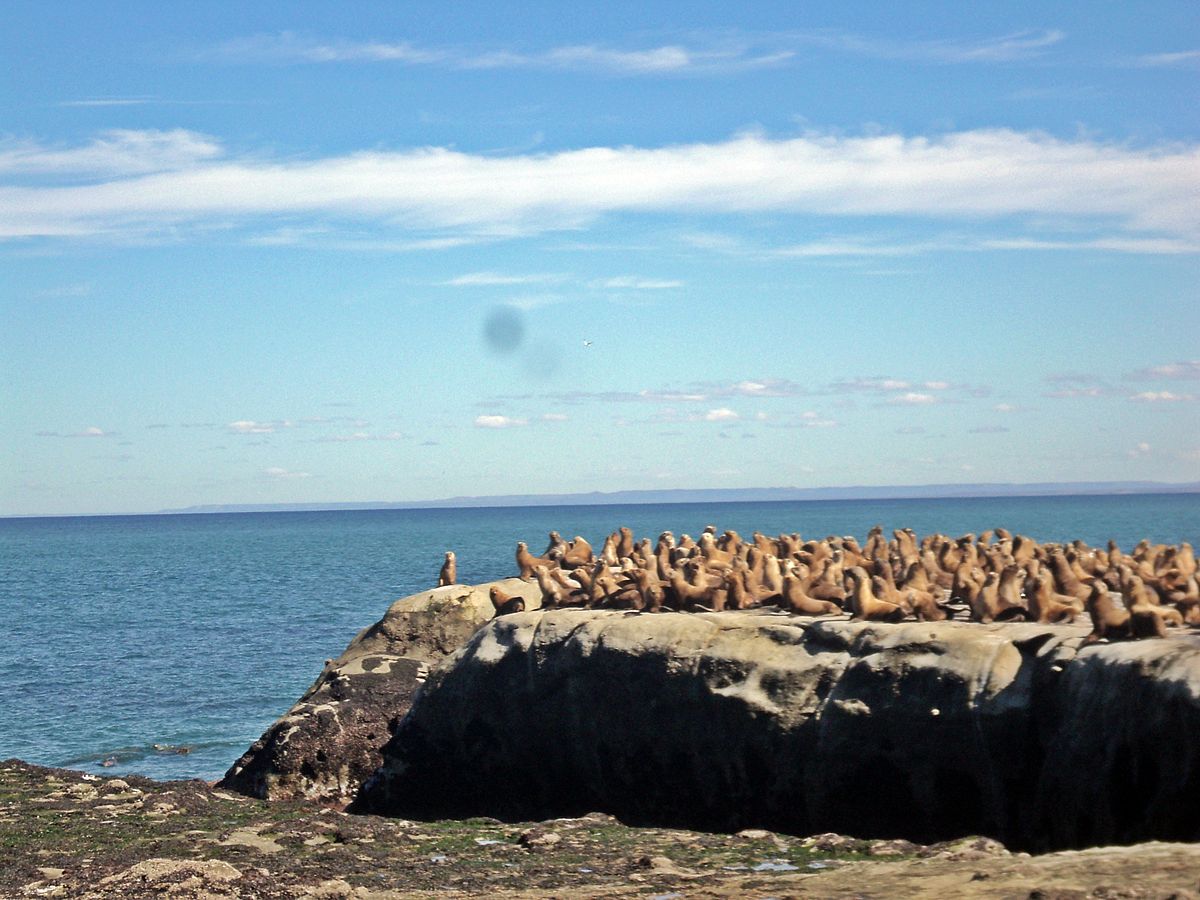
(923,731)
(328,743)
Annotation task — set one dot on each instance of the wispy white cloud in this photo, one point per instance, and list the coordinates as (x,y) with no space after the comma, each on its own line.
(866,248)
(879,385)
(1170,60)
(1018,45)
(109,101)
(358,436)
(1160,397)
(249,426)
(720,54)
(325,237)
(721,414)
(290,47)
(117,152)
(553,417)
(169,182)
(1186,369)
(499,422)
(1073,393)
(634,283)
(281,473)
(1141,449)
(490,279)
(1158,245)
(92,431)
(913,398)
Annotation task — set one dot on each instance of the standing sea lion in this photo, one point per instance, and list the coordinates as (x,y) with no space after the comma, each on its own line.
(449,573)
(1107,620)
(865,605)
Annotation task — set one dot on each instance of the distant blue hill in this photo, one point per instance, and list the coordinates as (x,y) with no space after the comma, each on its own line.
(735,495)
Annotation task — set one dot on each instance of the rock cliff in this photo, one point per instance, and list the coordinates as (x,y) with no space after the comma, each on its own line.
(327,744)
(925,731)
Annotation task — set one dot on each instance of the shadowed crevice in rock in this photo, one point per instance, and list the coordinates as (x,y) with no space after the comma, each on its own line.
(925,731)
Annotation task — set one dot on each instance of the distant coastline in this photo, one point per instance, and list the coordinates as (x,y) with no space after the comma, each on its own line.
(728,495)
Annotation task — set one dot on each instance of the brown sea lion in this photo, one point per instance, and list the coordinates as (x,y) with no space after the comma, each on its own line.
(1046,606)
(449,573)
(987,601)
(608,553)
(505,604)
(553,594)
(526,561)
(1108,621)
(688,594)
(1141,600)
(796,601)
(556,548)
(1008,594)
(827,584)
(624,542)
(650,589)
(863,604)
(578,553)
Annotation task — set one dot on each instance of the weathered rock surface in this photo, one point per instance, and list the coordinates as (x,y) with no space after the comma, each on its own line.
(925,731)
(326,745)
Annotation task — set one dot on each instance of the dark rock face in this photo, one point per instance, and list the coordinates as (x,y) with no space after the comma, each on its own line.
(328,743)
(925,731)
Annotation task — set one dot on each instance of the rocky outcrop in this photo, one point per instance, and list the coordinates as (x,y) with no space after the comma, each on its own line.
(326,745)
(925,731)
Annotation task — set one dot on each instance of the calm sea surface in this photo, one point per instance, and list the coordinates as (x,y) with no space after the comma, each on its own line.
(124,632)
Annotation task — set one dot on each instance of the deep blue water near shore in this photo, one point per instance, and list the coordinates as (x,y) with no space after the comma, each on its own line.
(123,632)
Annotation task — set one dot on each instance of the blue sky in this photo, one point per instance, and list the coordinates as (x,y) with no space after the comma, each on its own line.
(348,252)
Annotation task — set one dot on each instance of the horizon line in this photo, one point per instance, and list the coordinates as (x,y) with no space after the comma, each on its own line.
(649,496)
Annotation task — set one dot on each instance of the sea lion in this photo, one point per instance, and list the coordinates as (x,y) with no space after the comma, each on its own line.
(714,557)
(1108,622)
(739,596)
(987,601)
(578,553)
(556,548)
(552,592)
(1008,594)
(863,604)
(526,561)
(1046,606)
(795,600)
(505,604)
(827,584)
(449,573)
(624,542)
(651,590)
(1141,601)
(680,593)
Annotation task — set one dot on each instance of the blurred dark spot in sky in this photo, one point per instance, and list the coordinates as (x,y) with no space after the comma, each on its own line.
(504,330)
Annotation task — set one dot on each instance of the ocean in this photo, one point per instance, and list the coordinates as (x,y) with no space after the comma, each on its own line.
(125,632)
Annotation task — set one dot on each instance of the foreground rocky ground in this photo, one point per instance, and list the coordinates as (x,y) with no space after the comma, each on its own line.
(71,834)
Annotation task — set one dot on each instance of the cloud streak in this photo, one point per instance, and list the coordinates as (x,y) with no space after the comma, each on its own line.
(720,55)
(1019,45)
(157,181)
(292,48)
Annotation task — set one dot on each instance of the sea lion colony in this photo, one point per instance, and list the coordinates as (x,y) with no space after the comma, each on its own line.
(994,577)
